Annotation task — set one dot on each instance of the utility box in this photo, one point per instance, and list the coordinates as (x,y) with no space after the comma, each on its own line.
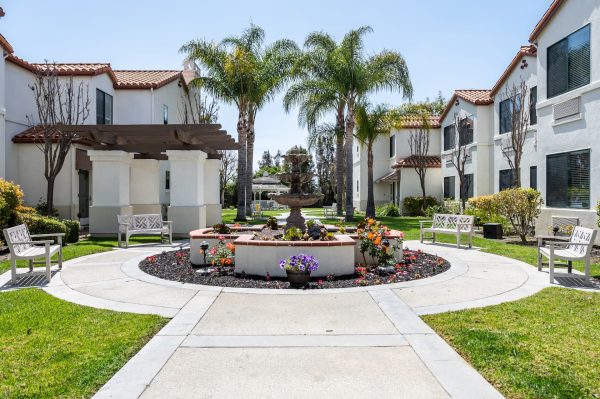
(492,230)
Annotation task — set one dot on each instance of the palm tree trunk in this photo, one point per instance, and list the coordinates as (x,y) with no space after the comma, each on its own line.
(249,166)
(241,169)
(370,212)
(339,159)
(348,146)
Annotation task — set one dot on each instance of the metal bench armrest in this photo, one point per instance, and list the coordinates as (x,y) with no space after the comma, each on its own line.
(48,235)
(33,242)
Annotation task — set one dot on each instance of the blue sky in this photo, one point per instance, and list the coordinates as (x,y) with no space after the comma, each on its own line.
(448,45)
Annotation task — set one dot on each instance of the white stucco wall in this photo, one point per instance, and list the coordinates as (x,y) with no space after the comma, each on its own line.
(577,132)
(2,118)
(481,162)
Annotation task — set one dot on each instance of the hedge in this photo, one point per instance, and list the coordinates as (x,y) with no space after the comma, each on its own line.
(73,230)
(415,206)
(38,224)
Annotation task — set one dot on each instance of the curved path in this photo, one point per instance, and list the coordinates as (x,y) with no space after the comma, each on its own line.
(354,343)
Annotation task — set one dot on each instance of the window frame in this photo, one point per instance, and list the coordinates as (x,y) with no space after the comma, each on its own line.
(567,55)
(101,118)
(392,145)
(531,175)
(511,175)
(532,106)
(552,202)
(451,187)
(453,137)
(508,128)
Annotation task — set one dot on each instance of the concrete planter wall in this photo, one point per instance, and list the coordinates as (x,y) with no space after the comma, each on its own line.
(255,257)
(197,236)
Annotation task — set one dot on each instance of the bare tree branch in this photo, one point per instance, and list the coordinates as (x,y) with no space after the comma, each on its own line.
(463,136)
(58,102)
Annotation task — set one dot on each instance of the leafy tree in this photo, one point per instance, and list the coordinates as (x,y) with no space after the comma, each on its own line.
(266,161)
(321,141)
(277,159)
(371,123)
(243,71)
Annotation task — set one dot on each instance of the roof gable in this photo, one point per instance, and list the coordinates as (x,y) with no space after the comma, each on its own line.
(524,51)
(473,96)
(546,18)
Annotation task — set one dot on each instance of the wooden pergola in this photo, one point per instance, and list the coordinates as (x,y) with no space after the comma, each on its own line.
(151,141)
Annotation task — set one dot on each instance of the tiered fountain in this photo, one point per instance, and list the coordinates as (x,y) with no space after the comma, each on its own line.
(296,199)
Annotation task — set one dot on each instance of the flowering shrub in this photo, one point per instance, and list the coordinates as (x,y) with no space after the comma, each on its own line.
(300,263)
(221,254)
(221,228)
(374,240)
(520,206)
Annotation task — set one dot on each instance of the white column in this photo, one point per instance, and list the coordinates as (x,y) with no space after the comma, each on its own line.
(187,209)
(212,197)
(145,188)
(110,190)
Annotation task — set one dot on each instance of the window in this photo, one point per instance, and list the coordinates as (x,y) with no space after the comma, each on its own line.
(449,139)
(104,108)
(532,104)
(533,177)
(165,114)
(466,131)
(505,116)
(468,188)
(392,145)
(393,192)
(569,63)
(357,188)
(449,187)
(568,180)
(167,180)
(506,179)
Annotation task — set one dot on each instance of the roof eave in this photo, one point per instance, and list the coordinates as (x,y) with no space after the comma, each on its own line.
(543,22)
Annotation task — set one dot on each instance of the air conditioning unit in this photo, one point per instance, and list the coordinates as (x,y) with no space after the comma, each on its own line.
(567,108)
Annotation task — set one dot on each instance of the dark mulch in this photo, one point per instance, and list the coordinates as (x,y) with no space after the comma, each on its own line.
(175,266)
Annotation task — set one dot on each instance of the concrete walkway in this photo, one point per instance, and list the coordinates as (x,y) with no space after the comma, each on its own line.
(354,343)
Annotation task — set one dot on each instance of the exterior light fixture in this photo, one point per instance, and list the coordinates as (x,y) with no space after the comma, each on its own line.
(204,248)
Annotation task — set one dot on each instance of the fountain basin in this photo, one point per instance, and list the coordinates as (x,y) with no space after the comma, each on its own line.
(256,257)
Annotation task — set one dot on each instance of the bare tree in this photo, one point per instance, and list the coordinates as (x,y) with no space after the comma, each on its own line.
(59,102)
(517,98)
(196,108)
(419,148)
(228,171)
(460,154)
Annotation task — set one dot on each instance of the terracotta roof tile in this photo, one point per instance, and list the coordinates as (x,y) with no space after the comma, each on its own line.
(432,161)
(75,68)
(4,43)
(474,96)
(412,122)
(34,135)
(145,79)
(524,51)
(550,12)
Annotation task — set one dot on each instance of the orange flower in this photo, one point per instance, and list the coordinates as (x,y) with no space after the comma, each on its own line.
(371,221)
(377,241)
(370,236)
(231,247)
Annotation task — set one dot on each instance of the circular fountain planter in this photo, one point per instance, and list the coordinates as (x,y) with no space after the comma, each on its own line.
(259,258)
(207,234)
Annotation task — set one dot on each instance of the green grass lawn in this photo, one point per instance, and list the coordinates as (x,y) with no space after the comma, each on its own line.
(87,247)
(543,346)
(55,349)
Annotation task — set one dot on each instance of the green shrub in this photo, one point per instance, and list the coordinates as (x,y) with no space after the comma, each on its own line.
(73,230)
(520,206)
(272,223)
(11,198)
(388,210)
(485,210)
(436,209)
(42,208)
(415,206)
(221,228)
(38,224)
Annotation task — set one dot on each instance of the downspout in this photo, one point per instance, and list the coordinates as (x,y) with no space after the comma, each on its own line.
(151,105)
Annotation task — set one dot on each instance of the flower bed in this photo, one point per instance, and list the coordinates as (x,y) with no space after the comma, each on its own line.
(176,266)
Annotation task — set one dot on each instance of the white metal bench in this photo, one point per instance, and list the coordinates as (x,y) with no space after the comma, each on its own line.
(579,247)
(22,246)
(449,224)
(148,224)
(330,211)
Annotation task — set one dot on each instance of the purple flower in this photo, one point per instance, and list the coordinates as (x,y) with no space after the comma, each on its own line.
(300,262)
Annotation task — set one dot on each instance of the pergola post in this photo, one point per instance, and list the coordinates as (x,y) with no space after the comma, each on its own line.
(145,188)
(110,190)
(187,209)
(212,198)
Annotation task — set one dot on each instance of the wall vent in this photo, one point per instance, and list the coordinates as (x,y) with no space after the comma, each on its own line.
(567,108)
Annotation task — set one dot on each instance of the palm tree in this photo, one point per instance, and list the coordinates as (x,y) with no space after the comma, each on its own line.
(241,70)
(318,93)
(371,123)
(363,75)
